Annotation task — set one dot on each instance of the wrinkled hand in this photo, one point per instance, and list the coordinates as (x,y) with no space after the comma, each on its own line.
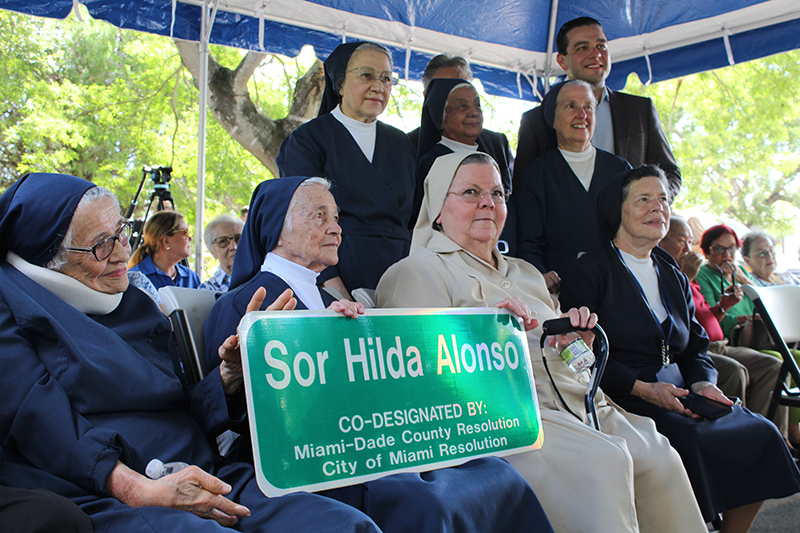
(710,391)
(731,297)
(662,394)
(347,308)
(578,318)
(690,264)
(191,490)
(230,370)
(519,308)
(553,281)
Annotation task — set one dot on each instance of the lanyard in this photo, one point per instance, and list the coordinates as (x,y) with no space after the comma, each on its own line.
(665,335)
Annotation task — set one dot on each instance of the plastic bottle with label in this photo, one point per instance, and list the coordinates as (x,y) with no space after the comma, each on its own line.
(574,352)
(156,469)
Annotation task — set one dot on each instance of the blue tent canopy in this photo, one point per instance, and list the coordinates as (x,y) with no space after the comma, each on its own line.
(507,41)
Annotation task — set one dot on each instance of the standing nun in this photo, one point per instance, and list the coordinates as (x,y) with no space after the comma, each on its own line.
(371,164)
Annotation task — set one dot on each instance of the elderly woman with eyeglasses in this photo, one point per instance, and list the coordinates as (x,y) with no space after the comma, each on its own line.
(758,251)
(166,243)
(222,239)
(721,275)
(91,384)
(371,164)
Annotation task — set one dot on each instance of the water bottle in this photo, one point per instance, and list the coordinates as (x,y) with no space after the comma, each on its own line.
(156,469)
(574,352)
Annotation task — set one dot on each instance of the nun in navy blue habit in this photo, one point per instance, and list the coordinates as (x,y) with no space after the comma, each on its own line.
(262,230)
(645,306)
(482,495)
(90,388)
(432,144)
(370,164)
(557,219)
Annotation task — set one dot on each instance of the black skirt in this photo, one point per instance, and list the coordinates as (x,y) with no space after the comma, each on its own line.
(733,461)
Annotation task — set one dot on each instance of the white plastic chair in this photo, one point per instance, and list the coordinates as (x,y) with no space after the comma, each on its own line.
(779,307)
(365,297)
(188,310)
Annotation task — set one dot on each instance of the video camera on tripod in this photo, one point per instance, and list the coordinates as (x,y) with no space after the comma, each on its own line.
(161,176)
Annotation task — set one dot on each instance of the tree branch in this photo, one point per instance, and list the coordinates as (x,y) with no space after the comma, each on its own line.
(230,103)
(246,68)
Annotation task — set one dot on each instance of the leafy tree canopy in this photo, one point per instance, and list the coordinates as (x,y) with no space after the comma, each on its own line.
(736,135)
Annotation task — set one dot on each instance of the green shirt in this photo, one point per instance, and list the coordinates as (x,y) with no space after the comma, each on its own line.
(711,283)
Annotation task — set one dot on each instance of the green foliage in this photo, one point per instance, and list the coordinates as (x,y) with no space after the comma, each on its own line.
(88,99)
(736,135)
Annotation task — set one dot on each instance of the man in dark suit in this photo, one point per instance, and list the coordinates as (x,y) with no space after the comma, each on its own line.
(626,125)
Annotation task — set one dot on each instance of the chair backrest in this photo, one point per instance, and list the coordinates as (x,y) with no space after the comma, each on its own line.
(365,297)
(782,302)
(188,310)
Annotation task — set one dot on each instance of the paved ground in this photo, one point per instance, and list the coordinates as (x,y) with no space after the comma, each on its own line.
(779,516)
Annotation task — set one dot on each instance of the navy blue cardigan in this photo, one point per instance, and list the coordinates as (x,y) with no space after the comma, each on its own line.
(599,281)
(376,199)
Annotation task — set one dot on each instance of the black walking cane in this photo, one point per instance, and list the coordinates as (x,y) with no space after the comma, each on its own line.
(560,326)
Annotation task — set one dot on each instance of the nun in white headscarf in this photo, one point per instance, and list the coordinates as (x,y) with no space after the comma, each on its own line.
(625,477)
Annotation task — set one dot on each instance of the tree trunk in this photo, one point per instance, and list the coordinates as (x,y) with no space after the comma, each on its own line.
(230,103)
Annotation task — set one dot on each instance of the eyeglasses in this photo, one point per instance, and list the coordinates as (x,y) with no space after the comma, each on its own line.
(474,196)
(721,250)
(103,249)
(224,241)
(370,75)
(769,252)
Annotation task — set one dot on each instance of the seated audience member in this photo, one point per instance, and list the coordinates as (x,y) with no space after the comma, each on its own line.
(165,243)
(625,477)
(370,164)
(90,390)
(290,236)
(719,244)
(40,511)
(758,251)
(222,238)
(743,372)
(555,195)
(137,279)
(452,121)
(657,354)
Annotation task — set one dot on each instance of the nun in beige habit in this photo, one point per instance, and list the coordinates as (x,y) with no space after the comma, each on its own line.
(625,477)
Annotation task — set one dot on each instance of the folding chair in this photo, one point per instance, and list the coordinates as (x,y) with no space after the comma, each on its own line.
(779,306)
(188,310)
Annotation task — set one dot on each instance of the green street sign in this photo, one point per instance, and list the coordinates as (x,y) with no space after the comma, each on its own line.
(337,401)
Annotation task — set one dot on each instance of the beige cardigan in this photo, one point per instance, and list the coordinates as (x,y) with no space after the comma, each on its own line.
(445,275)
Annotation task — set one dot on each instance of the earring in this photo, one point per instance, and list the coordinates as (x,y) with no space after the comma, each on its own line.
(168,248)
